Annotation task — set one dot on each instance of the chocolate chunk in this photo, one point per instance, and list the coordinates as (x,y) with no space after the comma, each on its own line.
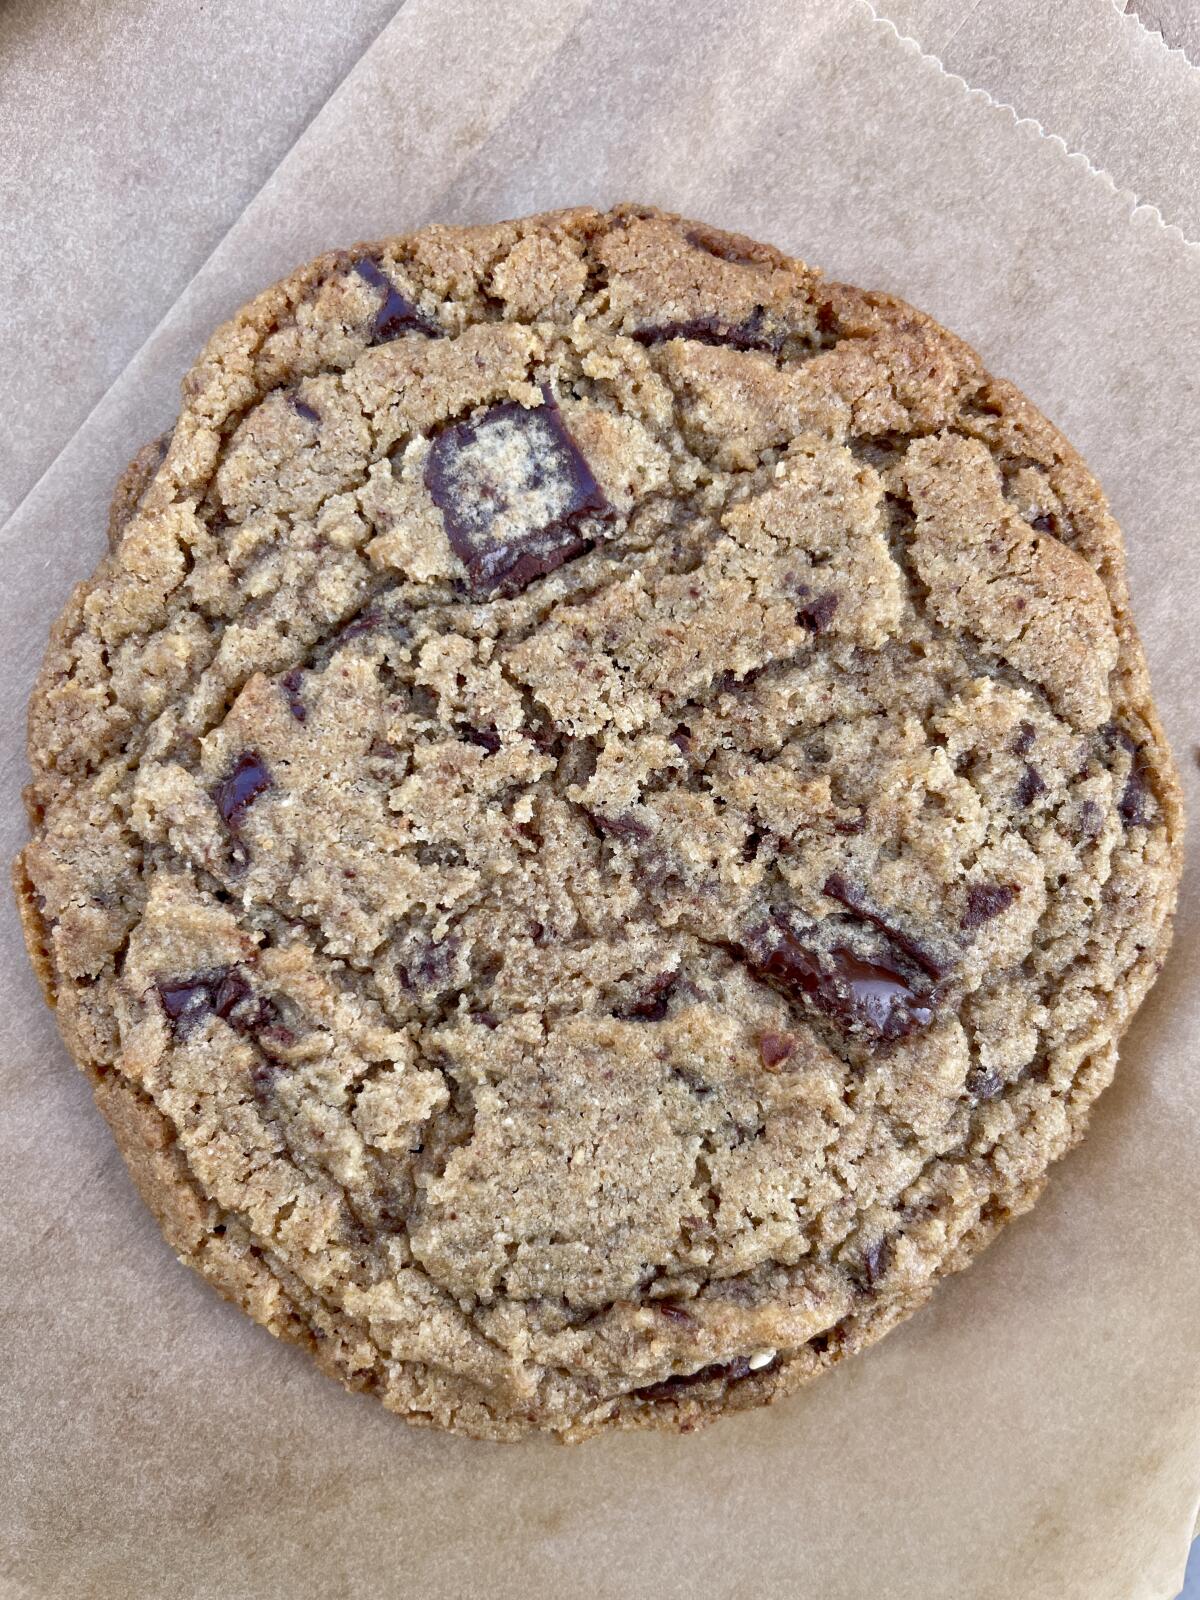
(187,1000)
(486,1019)
(1131,807)
(749,334)
(487,738)
(654,1001)
(515,493)
(856,993)
(816,615)
(225,992)
(774,1048)
(987,900)
(984,1085)
(1029,785)
(682,739)
(1023,740)
(853,898)
(302,409)
(1091,819)
(396,315)
(850,825)
(675,1313)
(1044,522)
(248,779)
(619,827)
(730,1371)
(875,1261)
(290,683)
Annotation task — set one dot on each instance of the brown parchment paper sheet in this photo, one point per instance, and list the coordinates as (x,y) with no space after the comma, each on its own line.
(1035,1432)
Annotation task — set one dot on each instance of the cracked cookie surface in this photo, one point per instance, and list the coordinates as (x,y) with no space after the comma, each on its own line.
(597,829)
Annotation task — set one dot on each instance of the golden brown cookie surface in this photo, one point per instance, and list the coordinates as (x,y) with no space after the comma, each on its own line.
(599,826)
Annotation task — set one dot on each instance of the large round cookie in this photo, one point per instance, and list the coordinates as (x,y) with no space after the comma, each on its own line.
(599,825)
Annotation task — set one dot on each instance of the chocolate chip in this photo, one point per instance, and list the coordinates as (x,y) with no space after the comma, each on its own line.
(1044,522)
(987,900)
(1029,785)
(224,992)
(1091,819)
(1131,807)
(816,615)
(302,409)
(856,993)
(850,825)
(984,1085)
(248,779)
(774,1048)
(675,1313)
(875,1261)
(730,1371)
(396,315)
(1023,740)
(653,1003)
(749,334)
(682,739)
(291,682)
(515,493)
(853,898)
(487,738)
(620,827)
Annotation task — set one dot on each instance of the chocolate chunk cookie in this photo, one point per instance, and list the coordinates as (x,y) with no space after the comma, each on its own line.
(598,827)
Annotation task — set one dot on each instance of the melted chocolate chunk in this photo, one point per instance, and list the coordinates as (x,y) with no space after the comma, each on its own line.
(1023,740)
(675,1313)
(817,614)
(248,779)
(224,992)
(302,409)
(749,334)
(856,993)
(775,1048)
(515,493)
(1029,785)
(987,900)
(291,682)
(396,315)
(853,898)
(730,1371)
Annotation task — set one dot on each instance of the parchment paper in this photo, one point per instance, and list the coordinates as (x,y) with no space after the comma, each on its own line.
(1035,1432)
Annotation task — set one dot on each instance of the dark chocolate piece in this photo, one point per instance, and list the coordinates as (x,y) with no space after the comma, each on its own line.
(302,409)
(815,615)
(875,1261)
(856,993)
(1029,785)
(727,247)
(515,493)
(225,992)
(1023,739)
(290,683)
(396,315)
(731,1371)
(654,1001)
(1131,807)
(853,898)
(774,1048)
(1044,522)
(248,779)
(487,738)
(675,1313)
(749,334)
(987,900)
